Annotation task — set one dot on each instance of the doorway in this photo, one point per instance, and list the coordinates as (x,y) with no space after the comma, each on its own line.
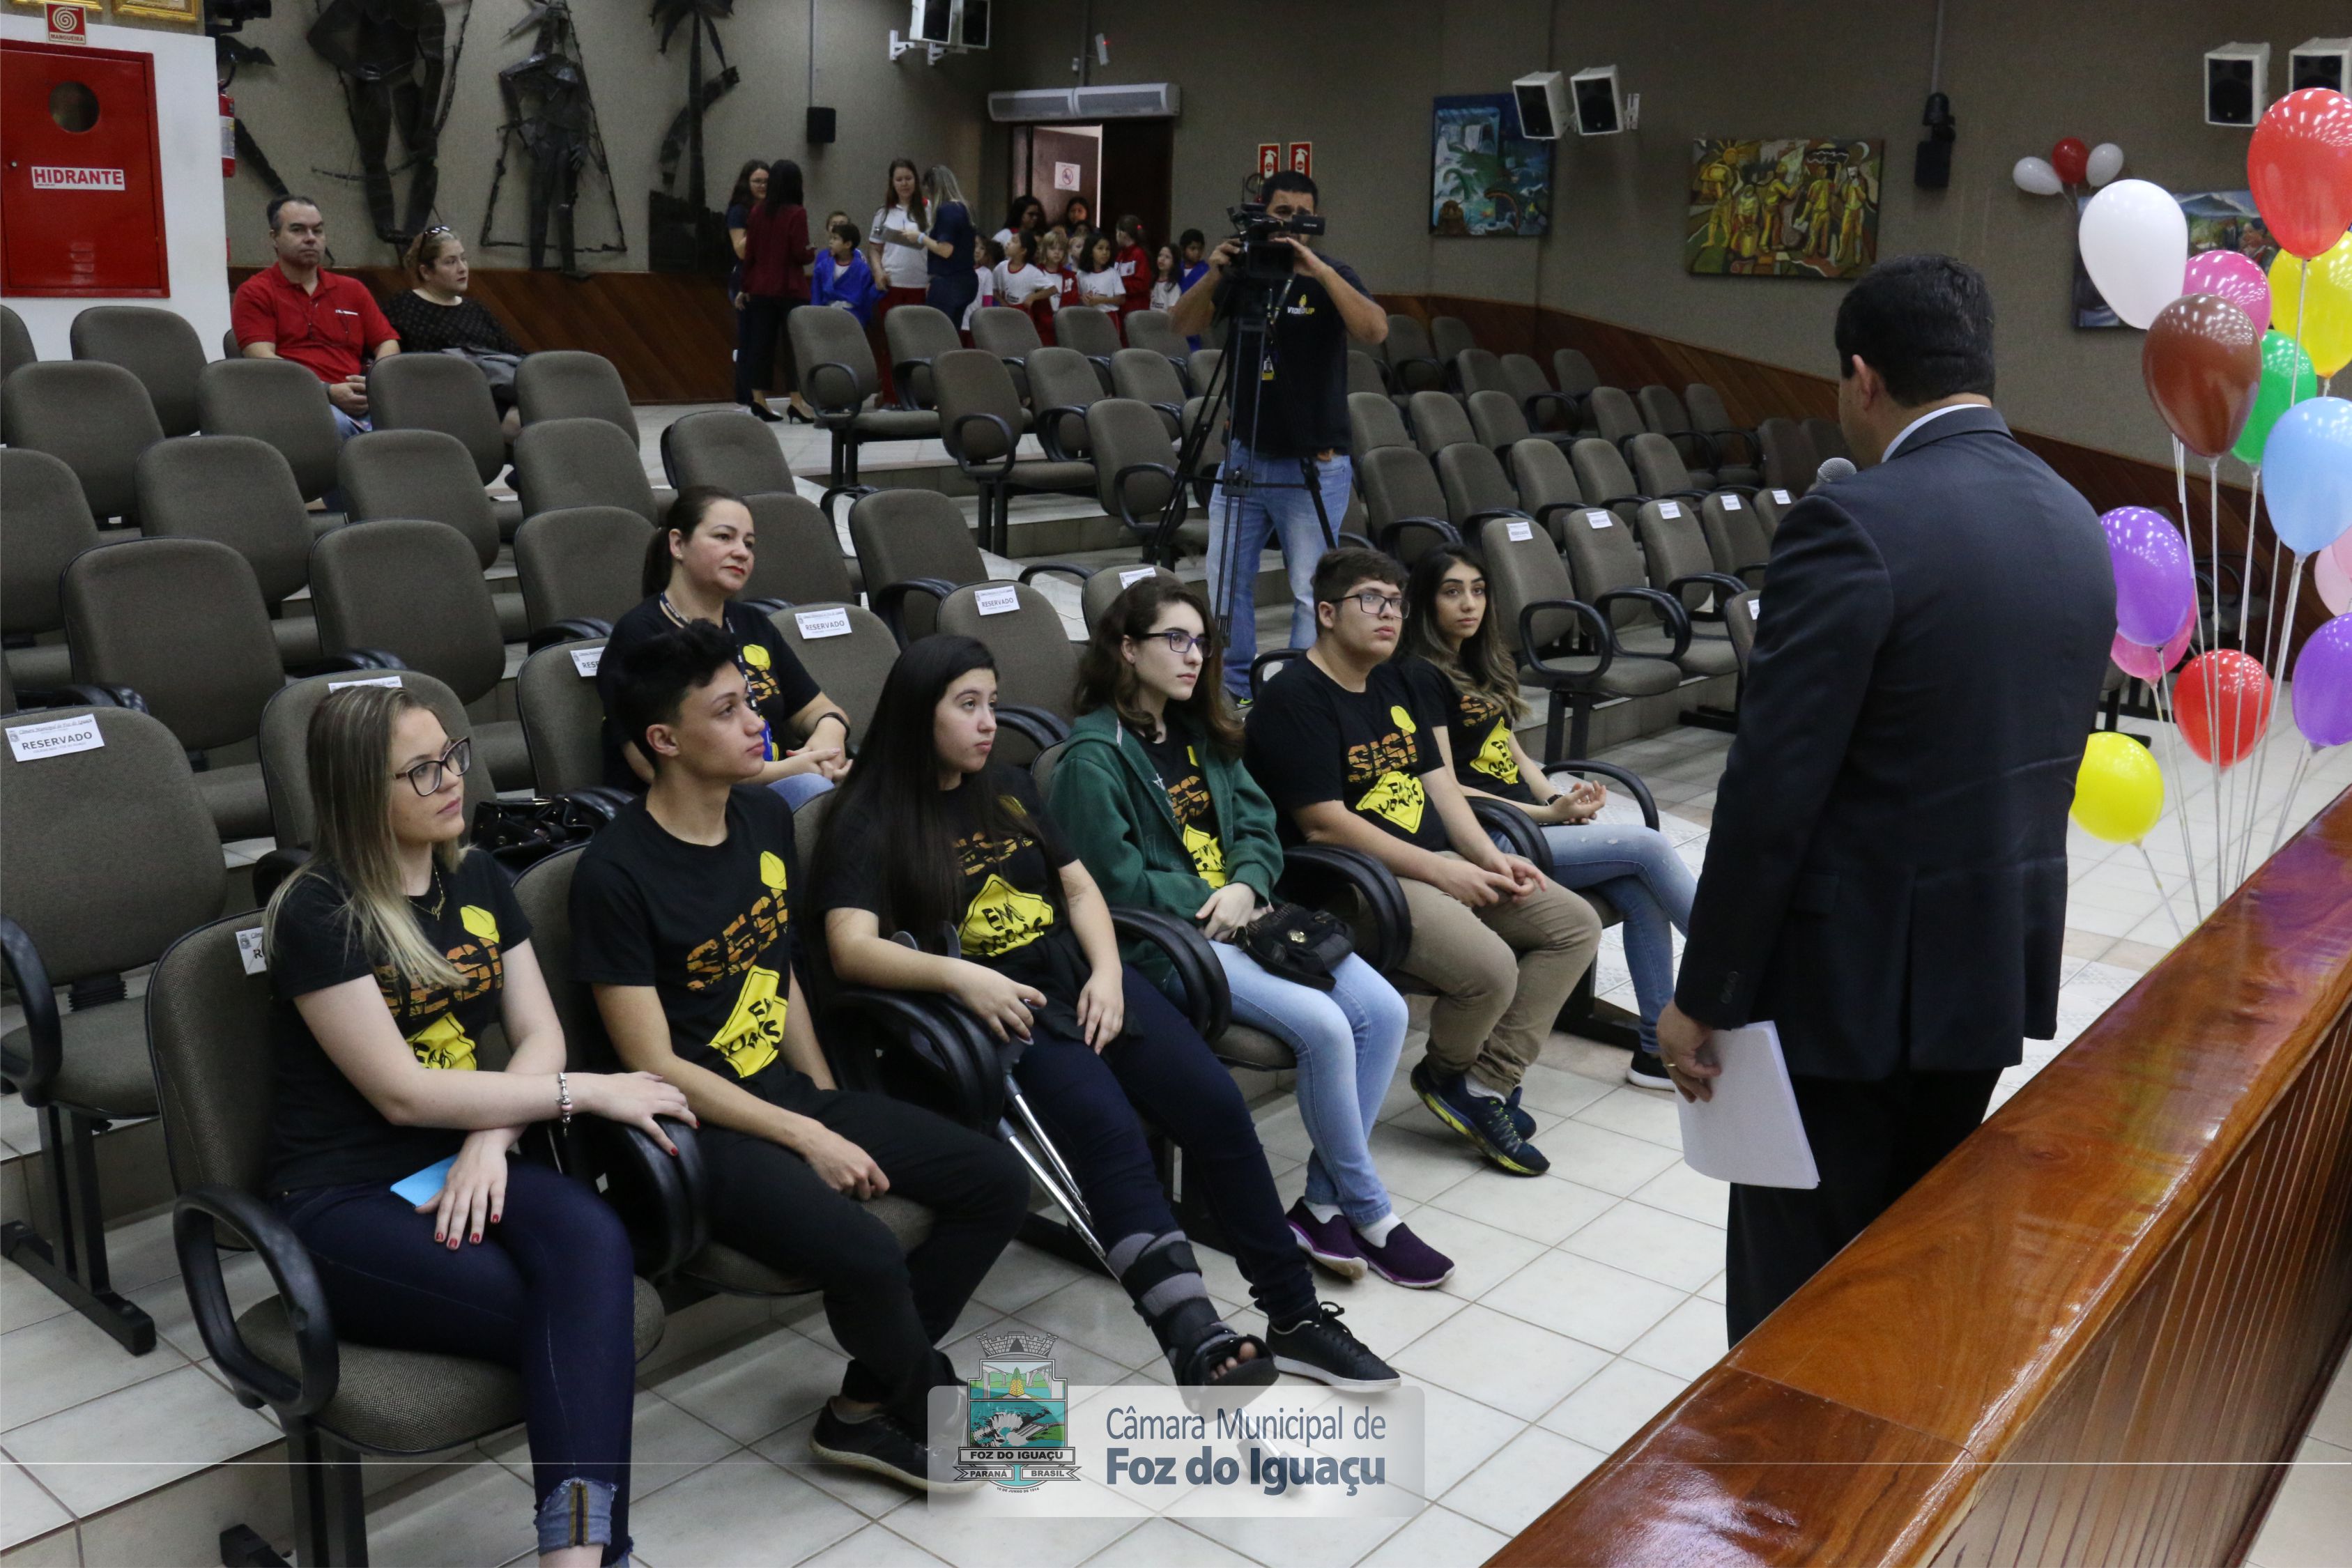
(1121,166)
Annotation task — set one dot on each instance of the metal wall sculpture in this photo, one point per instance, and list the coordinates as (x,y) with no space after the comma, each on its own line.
(552,117)
(396,67)
(687,236)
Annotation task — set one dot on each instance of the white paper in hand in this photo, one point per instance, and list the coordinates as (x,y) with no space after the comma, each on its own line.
(1750,1131)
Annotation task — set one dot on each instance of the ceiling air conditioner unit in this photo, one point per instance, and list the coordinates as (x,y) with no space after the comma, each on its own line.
(1031,103)
(1138,101)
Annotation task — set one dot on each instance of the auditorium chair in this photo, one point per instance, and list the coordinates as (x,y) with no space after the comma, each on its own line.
(1569,644)
(572,383)
(1212,445)
(796,552)
(1404,504)
(1108,583)
(1009,333)
(1739,613)
(16,342)
(285,753)
(1134,473)
(93,417)
(848,655)
(1602,477)
(182,623)
(1036,662)
(1476,370)
(1828,440)
(1438,421)
(1062,387)
(1201,366)
(917,334)
(1608,568)
(1374,422)
(1546,481)
(1658,470)
(90,892)
(1547,411)
(980,419)
(336,1401)
(1664,415)
(727,447)
(1413,364)
(279,402)
(427,475)
(917,549)
(445,393)
(1738,457)
(1449,339)
(411,589)
(157,346)
(841,382)
(237,491)
(45,524)
(1675,551)
(1614,417)
(1149,332)
(1499,423)
(563,716)
(1736,539)
(1476,488)
(1573,373)
(1093,332)
(581,570)
(1790,461)
(1143,376)
(1772,504)
(565,463)
(1366,374)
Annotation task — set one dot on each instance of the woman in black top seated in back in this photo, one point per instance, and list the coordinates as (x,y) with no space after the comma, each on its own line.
(927,838)
(433,316)
(390,952)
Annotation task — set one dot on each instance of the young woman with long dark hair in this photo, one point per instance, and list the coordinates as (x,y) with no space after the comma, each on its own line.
(1154,798)
(1447,627)
(929,838)
(391,951)
(776,254)
(695,565)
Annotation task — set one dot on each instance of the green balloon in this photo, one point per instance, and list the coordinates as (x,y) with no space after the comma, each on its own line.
(2287,377)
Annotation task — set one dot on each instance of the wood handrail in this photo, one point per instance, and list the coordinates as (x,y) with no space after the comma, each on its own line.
(2094,1334)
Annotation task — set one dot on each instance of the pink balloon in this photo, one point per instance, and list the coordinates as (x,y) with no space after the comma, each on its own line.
(2342,550)
(2235,277)
(2333,583)
(2150,663)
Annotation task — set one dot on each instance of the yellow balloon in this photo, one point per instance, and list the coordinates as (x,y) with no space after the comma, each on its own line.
(2326,324)
(2118,791)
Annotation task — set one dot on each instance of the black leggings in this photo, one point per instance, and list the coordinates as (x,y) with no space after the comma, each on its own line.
(1088,1103)
(548,1292)
(763,355)
(888,1311)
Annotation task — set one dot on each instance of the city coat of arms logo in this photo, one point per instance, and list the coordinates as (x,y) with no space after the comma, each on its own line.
(1016,1417)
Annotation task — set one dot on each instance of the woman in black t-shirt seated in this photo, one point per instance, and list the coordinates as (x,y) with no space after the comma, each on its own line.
(390,952)
(929,838)
(433,316)
(695,565)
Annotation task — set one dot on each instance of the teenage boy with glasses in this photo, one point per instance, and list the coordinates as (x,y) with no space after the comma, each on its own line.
(1340,740)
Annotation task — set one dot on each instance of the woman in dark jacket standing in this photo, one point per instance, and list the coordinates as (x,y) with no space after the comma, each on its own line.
(776,254)
(954,282)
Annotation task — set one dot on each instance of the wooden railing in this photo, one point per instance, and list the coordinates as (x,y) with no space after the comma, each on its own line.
(2095,1334)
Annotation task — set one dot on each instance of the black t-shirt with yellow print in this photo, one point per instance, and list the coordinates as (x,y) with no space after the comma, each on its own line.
(1478,728)
(1310,739)
(1178,761)
(324,1130)
(777,683)
(706,925)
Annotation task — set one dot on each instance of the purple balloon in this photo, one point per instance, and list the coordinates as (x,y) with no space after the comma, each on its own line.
(2154,585)
(2322,685)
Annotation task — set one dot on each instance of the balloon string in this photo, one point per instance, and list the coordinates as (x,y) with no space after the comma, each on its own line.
(2286,806)
(2168,716)
(2246,596)
(2302,293)
(2270,715)
(2162,896)
(2208,631)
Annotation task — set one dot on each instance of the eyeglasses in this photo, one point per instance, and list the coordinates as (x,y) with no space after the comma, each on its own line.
(1179,641)
(427,778)
(1380,606)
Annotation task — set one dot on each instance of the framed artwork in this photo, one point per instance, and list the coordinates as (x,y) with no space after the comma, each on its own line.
(2217,220)
(1787,208)
(1485,178)
(189,11)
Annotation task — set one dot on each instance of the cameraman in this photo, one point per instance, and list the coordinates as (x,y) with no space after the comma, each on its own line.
(1303,415)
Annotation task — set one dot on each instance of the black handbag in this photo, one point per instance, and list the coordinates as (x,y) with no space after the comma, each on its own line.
(519,833)
(1292,941)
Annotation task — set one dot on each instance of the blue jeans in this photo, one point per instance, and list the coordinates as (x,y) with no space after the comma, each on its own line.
(1238,533)
(1346,1040)
(1637,870)
(801,788)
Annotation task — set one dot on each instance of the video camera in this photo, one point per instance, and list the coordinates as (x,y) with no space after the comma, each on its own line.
(1262,261)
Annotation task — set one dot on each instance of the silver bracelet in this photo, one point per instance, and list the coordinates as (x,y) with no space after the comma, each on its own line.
(564,1098)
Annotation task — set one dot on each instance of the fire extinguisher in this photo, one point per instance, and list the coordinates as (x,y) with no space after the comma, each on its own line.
(228,136)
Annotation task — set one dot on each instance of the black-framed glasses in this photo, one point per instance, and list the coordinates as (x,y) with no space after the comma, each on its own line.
(427,777)
(1380,606)
(1179,641)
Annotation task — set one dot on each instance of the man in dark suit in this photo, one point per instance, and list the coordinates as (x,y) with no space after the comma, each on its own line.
(1885,879)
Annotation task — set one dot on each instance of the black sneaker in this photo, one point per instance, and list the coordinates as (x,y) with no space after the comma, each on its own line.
(1320,1346)
(881,1445)
(1487,1123)
(1524,1121)
(1646,1070)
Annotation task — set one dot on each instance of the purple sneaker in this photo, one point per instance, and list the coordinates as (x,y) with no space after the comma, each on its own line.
(1333,1243)
(1406,1259)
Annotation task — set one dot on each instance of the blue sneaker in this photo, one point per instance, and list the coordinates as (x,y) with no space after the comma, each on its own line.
(1486,1123)
(1524,1121)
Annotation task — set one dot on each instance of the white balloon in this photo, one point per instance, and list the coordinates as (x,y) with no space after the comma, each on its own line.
(2106,163)
(2035,178)
(2135,241)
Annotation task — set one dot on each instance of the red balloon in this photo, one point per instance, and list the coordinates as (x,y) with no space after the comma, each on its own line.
(2299,165)
(2223,695)
(2202,361)
(2072,159)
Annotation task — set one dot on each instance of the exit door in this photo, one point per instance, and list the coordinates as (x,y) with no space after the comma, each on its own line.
(81,173)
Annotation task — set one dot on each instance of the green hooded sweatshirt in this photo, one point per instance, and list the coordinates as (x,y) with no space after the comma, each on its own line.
(1109,803)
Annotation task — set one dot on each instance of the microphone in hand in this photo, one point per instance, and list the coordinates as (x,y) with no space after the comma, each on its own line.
(1830,472)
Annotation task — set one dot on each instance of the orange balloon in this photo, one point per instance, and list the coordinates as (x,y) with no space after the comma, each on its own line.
(2203,362)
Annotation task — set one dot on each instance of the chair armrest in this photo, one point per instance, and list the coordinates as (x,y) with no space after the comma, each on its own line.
(1484,515)
(938,1035)
(82,694)
(1048,423)
(1676,614)
(1744,492)
(1184,374)
(194,1216)
(902,380)
(663,1199)
(373,659)
(1034,725)
(1354,541)
(1720,582)
(1313,874)
(1603,637)
(280,862)
(1389,532)
(602,802)
(1397,368)
(1741,573)
(952,437)
(1208,1000)
(1694,495)
(833,414)
(888,599)
(33,1075)
(1626,776)
(1102,370)
(1266,661)
(1552,508)
(1118,490)
(583,629)
(1517,831)
(1070,567)
(1568,404)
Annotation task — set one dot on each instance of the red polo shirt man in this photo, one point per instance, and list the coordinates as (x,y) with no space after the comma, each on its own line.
(297,310)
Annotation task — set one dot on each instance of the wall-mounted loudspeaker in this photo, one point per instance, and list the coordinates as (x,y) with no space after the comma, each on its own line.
(1599,107)
(2237,84)
(2320,63)
(822,126)
(1543,105)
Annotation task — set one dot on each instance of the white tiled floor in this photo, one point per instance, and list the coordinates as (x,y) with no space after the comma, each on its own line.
(1583,1301)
